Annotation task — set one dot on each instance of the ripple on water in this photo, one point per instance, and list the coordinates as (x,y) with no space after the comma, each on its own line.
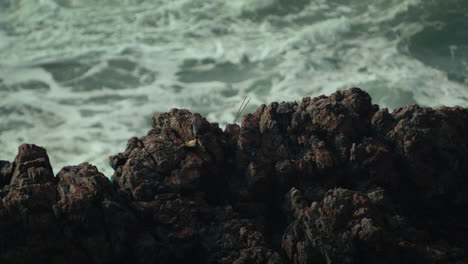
(23,116)
(115,74)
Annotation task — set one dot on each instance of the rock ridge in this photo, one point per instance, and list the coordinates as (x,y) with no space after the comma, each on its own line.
(331,179)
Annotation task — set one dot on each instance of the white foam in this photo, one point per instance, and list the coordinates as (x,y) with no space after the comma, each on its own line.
(202,55)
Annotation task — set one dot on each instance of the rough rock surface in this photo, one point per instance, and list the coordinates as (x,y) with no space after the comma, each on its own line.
(329,180)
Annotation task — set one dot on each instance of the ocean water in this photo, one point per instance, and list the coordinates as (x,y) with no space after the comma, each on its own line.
(80,77)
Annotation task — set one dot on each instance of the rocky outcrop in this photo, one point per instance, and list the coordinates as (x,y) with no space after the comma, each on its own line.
(351,227)
(63,219)
(328,180)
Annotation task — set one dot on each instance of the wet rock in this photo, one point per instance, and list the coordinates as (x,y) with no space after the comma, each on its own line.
(88,205)
(433,136)
(349,227)
(240,241)
(331,179)
(31,194)
(433,144)
(31,164)
(5,173)
(27,220)
(76,214)
(163,161)
(314,137)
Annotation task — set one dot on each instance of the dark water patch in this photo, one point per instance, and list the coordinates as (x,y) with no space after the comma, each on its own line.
(32,85)
(389,97)
(103,99)
(207,70)
(334,9)
(118,74)
(229,91)
(325,64)
(22,113)
(106,78)
(442,43)
(6,27)
(106,99)
(71,101)
(455,77)
(66,71)
(127,65)
(176,88)
(80,139)
(309,19)
(29,85)
(90,112)
(15,125)
(276,8)
(64,3)
(3,86)
(444,48)
(20,110)
(263,86)
(5,4)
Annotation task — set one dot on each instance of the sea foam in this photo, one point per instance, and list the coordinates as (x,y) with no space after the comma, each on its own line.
(81,77)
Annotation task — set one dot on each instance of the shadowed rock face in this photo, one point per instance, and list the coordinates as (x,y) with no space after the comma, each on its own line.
(329,180)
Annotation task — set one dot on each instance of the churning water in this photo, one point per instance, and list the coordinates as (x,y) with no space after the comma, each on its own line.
(80,77)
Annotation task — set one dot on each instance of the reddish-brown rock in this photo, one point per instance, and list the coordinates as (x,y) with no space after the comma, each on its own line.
(31,164)
(352,227)
(182,152)
(332,179)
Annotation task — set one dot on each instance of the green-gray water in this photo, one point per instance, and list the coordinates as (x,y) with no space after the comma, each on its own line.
(80,77)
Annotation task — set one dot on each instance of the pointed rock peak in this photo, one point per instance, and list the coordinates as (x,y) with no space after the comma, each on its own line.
(32,164)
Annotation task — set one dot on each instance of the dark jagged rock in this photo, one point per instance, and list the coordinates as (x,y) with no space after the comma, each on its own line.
(5,173)
(333,179)
(351,227)
(63,219)
(175,179)
(31,164)
(91,213)
(173,157)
